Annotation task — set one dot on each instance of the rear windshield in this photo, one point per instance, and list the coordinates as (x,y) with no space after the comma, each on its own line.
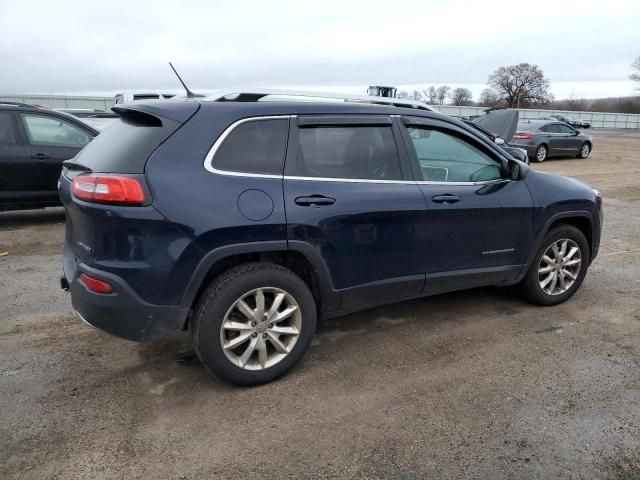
(528,127)
(125,146)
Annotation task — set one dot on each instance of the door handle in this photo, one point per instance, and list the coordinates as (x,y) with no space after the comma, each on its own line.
(448,198)
(40,156)
(315,201)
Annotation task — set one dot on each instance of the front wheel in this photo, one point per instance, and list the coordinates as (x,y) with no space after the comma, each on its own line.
(585,150)
(253,323)
(541,153)
(559,267)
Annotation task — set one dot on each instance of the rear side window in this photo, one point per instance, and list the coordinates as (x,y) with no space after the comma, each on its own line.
(257,146)
(7,134)
(125,146)
(54,132)
(349,152)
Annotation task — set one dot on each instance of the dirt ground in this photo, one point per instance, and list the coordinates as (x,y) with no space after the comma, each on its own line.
(475,384)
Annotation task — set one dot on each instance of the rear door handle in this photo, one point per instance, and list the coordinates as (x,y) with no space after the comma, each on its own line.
(445,198)
(40,156)
(315,201)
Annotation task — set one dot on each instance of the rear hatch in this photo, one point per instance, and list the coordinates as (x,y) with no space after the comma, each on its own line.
(121,152)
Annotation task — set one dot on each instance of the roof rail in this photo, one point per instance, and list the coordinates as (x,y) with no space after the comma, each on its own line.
(257,95)
(17,104)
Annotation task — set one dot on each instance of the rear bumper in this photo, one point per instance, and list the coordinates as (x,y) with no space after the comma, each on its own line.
(121,313)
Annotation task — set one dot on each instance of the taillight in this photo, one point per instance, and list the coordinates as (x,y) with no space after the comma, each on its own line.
(523,136)
(94,284)
(108,188)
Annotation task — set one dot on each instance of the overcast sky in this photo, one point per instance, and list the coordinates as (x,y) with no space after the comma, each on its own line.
(100,47)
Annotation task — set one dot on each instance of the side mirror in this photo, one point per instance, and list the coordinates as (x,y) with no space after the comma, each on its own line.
(499,141)
(576,132)
(517,170)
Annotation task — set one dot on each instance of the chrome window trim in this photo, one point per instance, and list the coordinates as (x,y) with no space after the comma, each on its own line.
(208,160)
(208,164)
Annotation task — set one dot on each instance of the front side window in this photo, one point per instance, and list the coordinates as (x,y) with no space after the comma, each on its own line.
(7,134)
(445,157)
(256,146)
(54,132)
(347,152)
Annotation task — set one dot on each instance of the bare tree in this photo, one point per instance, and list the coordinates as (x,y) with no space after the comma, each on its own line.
(443,93)
(489,98)
(521,85)
(635,77)
(402,94)
(431,95)
(461,96)
(416,95)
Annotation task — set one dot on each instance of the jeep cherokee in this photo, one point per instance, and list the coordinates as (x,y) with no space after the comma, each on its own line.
(244,220)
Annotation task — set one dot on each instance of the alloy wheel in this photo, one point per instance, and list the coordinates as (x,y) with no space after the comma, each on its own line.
(559,266)
(584,152)
(260,328)
(541,153)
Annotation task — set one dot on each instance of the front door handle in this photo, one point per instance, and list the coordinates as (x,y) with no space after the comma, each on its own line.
(448,198)
(315,201)
(40,156)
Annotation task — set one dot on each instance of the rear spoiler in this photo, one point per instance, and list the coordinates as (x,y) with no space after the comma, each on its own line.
(177,111)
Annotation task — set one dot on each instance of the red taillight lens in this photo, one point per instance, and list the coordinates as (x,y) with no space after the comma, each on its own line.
(107,188)
(95,285)
(523,136)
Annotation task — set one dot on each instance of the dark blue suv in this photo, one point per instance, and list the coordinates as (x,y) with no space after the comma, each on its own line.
(243,221)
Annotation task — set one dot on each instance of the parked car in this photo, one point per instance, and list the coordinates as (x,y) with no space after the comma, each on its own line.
(499,126)
(98,119)
(243,221)
(575,123)
(33,144)
(542,139)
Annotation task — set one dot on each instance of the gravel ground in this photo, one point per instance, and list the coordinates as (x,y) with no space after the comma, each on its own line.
(473,384)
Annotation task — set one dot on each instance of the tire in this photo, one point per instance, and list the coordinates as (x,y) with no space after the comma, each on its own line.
(541,153)
(585,150)
(531,285)
(281,351)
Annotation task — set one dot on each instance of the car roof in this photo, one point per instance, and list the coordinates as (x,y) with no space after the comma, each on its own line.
(25,107)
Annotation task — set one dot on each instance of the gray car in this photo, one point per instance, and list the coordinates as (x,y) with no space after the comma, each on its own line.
(543,139)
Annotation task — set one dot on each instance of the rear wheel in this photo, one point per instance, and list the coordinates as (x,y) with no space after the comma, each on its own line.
(585,150)
(253,323)
(541,153)
(559,267)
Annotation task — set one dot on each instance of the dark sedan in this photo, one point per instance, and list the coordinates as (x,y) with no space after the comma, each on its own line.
(542,139)
(33,144)
(574,122)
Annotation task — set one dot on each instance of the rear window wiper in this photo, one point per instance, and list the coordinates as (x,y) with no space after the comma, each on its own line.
(71,165)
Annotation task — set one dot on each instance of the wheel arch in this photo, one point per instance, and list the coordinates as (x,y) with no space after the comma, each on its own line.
(299,257)
(581,219)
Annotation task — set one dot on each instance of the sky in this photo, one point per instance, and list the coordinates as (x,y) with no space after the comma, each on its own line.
(100,47)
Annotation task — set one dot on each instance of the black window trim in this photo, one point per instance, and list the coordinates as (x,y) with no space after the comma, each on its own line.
(409,121)
(342,120)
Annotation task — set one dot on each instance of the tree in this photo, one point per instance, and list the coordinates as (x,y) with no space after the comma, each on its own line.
(416,95)
(402,94)
(489,98)
(635,77)
(443,93)
(431,94)
(521,85)
(461,96)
